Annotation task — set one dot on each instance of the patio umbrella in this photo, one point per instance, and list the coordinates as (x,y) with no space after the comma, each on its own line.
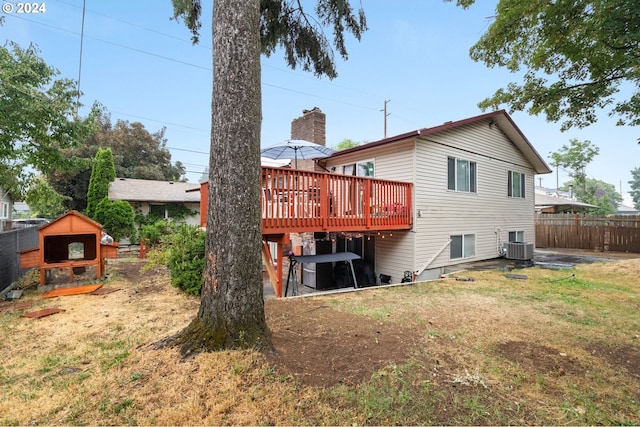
(296,148)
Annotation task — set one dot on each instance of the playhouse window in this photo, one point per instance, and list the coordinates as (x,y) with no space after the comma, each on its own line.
(76,250)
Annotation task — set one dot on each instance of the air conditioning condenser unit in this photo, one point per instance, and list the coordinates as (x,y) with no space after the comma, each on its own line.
(519,251)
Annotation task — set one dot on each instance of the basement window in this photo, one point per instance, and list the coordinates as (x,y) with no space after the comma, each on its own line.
(462,246)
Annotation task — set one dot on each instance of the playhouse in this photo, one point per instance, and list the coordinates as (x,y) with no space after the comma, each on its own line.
(71,241)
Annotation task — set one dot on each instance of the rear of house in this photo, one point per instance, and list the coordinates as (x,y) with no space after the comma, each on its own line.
(473,191)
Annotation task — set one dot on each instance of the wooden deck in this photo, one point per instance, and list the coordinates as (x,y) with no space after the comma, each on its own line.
(296,201)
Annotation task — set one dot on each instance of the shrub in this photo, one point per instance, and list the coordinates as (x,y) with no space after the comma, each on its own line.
(154,234)
(186,258)
(116,216)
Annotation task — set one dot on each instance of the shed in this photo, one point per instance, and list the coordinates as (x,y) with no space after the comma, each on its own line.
(71,241)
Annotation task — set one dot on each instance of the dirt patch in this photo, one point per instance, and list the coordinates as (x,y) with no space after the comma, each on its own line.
(534,358)
(626,357)
(321,346)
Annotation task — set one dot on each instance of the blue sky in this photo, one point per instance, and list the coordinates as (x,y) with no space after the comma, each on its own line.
(142,67)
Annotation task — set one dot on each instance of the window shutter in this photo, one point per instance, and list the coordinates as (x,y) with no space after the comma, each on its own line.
(451,173)
(509,184)
(472,177)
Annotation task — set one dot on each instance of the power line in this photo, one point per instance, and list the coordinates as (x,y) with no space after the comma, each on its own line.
(206,68)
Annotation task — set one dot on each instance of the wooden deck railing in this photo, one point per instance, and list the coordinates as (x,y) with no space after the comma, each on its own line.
(305,201)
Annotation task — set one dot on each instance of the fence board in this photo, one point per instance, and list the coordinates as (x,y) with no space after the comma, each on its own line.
(12,242)
(574,231)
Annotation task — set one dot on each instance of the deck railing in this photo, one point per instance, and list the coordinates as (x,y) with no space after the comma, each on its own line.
(306,201)
(297,200)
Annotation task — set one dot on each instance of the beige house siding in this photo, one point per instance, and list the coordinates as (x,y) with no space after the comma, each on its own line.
(395,253)
(488,214)
(143,208)
(496,146)
(394,162)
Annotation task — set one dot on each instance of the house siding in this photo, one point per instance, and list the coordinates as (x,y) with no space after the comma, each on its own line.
(489,213)
(6,206)
(395,252)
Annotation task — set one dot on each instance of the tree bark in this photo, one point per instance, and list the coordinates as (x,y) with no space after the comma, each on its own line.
(231,314)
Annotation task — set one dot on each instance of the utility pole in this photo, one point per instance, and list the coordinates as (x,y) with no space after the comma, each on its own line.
(385,116)
(84,8)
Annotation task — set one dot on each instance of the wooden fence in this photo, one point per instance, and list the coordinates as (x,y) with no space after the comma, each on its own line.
(598,233)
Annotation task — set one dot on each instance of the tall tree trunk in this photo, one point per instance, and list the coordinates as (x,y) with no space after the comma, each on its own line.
(231,312)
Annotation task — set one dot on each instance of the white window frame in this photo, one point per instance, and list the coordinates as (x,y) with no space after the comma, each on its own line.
(364,168)
(516,188)
(4,210)
(454,165)
(467,246)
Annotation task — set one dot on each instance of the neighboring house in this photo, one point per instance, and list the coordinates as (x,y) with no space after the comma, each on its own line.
(473,190)
(554,201)
(157,197)
(625,209)
(6,210)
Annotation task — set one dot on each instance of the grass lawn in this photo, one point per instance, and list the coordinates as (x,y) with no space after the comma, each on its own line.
(556,347)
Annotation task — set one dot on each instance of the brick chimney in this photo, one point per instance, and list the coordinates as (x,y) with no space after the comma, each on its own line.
(310,127)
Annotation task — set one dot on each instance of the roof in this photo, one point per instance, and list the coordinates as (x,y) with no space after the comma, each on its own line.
(68,215)
(560,204)
(500,118)
(145,190)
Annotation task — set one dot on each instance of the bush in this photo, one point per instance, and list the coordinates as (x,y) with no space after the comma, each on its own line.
(154,234)
(186,258)
(116,216)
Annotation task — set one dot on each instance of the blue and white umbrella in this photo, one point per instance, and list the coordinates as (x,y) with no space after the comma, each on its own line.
(296,148)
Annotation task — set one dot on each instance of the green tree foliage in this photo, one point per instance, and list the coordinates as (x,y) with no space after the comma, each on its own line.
(296,29)
(575,157)
(186,258)
(36,118)
(181,248)
(116,216)
(596,192)
(137,154)
(103,173)
(43,200)
(576,56)
(635,187)
(346,144)
(154,233)
(231,314)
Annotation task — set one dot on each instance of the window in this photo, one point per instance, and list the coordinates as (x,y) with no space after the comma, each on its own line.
(516,236)
(462,246)
(515,184)
(365,169)
(4,210)
(360,169)
(461,175)
(158,210)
